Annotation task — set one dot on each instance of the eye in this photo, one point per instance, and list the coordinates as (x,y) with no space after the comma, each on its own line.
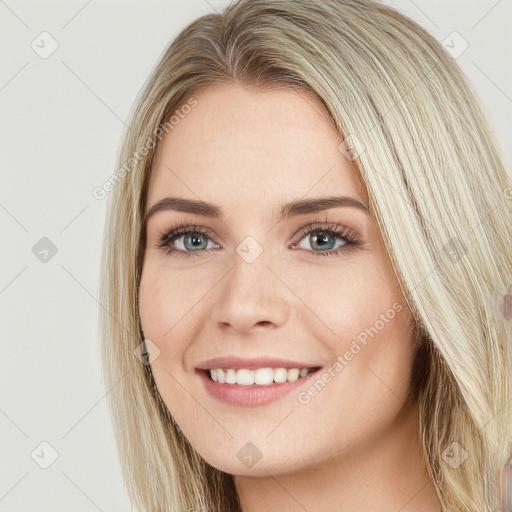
(323,237)
(186,241)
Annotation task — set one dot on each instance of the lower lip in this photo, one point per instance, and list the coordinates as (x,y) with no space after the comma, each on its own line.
(250,396)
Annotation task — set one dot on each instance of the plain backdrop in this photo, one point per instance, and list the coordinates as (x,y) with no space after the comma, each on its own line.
(61,121)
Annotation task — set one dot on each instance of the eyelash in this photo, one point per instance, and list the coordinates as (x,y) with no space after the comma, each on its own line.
(171,234)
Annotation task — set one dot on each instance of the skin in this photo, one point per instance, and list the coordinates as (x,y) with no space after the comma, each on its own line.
(355,445)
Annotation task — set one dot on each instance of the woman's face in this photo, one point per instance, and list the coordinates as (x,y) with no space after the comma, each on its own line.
(254,284)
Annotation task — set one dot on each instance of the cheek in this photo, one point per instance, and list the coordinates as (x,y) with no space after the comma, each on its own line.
(152,302)
(361,318)
(345,299)
(172,313)
(160,307)
(164,298)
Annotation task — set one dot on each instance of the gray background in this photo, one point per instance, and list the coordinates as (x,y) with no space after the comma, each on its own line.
(61,121)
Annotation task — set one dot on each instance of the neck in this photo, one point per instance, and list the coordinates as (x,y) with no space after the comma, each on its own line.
(390,475)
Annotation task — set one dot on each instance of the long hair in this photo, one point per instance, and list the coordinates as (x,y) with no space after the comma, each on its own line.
(412,123)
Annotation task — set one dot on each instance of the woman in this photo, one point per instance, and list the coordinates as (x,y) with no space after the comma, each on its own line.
(247,373)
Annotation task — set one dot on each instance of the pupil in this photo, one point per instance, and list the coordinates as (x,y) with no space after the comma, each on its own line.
(195,240)
(323,238)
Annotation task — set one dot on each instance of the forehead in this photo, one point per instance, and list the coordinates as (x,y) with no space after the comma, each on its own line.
(244,148)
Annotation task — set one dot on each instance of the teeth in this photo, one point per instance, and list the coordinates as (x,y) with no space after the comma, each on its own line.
(245,377)
(261,376)
(230,376)
(293,374)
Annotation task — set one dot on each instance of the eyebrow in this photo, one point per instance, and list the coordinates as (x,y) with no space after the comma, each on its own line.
(291,209)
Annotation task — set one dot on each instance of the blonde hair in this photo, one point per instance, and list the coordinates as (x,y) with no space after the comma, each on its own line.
(437,187)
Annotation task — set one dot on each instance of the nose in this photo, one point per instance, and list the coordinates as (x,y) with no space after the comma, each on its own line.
(250,296)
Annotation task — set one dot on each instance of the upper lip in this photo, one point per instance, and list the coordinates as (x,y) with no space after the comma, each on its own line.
(252,363)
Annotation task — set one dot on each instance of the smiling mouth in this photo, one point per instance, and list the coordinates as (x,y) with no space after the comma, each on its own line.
(258,377)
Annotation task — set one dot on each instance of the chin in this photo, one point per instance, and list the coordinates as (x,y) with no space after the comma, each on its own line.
(253,460)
